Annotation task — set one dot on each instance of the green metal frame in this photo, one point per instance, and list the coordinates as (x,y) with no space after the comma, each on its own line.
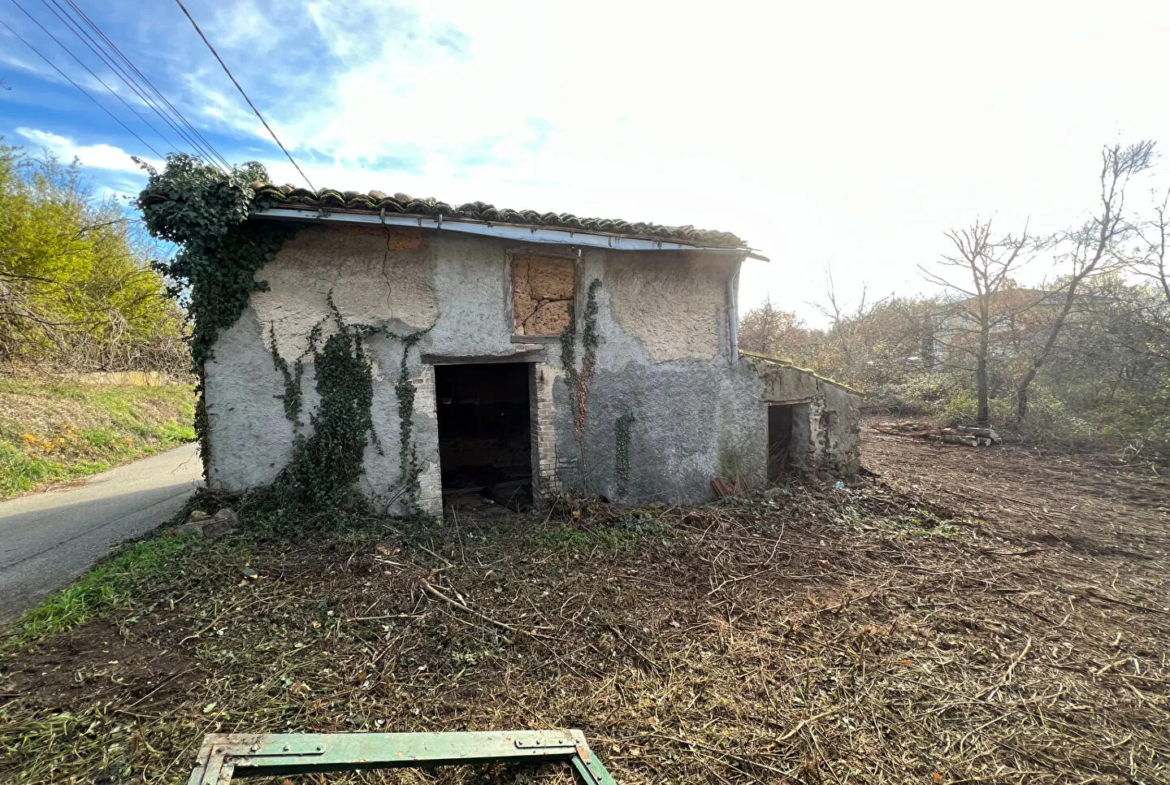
(224,755)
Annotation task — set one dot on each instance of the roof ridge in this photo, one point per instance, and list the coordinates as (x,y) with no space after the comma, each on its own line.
(403,204)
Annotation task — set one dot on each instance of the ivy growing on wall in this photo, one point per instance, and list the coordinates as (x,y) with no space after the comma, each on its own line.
(404,391)
(569,345)
(580,380)
(327,463)
(205,212)
(622,452)
(292,397)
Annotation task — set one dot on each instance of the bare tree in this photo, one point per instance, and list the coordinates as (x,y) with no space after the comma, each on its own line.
(979,271)
(1150,260)
(1090,244)
(847,326)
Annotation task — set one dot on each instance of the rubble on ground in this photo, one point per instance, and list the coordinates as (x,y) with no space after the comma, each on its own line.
(223,522)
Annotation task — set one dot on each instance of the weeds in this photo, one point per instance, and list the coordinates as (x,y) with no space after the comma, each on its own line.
(109,586)
(605,540)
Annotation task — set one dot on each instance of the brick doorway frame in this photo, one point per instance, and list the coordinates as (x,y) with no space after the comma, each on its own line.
(541,424)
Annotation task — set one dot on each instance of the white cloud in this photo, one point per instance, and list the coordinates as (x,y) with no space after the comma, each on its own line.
(848,134)
(226,110)
(37,67)
(384,80)
(96,156)
(8,59)
(242,24)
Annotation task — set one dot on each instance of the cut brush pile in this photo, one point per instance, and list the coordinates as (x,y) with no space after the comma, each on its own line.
(877,634)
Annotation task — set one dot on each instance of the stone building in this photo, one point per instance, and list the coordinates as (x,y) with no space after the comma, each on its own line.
(542,351)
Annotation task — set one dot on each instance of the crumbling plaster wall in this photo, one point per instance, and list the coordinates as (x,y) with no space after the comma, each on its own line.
(664,358)
(375,275)
(543,291)
(671,306)
(842,430)
(251,440)
(456,285)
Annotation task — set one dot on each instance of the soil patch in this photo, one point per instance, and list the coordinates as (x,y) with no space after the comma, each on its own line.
(99,664)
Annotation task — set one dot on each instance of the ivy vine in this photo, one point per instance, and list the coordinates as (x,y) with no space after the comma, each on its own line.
(327,463)
(579,381)
(622,451)
(404,391)
(569,344)
(205,212)
(292,397)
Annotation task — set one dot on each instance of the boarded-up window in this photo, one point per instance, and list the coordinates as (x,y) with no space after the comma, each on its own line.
(542,293)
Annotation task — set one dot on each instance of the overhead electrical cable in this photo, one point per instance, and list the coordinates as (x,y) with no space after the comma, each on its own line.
(65,76)
(133,75)
(246,98)
(81,34)
(91,72)
(149,86)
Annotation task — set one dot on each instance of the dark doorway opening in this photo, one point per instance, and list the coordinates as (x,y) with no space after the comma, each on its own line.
(779,440)
(485,444)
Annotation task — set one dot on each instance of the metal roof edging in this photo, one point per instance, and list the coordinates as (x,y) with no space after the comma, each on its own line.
(508,231)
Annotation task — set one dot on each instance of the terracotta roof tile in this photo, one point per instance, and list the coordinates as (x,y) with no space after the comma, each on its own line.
(269,195)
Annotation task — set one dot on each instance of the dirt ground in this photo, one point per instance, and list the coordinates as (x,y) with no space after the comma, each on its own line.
(1089,504)
(955,615)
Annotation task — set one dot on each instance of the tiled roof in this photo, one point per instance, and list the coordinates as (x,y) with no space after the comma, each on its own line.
(268,195)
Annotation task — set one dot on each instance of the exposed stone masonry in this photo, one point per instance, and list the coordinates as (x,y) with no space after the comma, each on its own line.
(430,478)
(542,289)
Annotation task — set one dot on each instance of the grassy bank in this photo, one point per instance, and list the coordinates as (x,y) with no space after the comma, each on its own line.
(57,430)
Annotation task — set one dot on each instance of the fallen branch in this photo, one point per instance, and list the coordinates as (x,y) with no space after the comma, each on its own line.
(431,590)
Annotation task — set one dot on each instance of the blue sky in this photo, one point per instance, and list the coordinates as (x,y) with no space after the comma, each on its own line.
(847,135)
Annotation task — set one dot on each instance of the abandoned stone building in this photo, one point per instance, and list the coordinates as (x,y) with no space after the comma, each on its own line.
(514,351)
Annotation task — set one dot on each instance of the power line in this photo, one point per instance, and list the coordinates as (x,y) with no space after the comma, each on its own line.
(204,151)
(149,86)
(75,27)
(91,73)
(65,76)
(246,98)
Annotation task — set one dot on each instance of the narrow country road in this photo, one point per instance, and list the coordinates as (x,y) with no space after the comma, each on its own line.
(48,539)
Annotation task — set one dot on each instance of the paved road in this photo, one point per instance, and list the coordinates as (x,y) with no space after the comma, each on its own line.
(48,539)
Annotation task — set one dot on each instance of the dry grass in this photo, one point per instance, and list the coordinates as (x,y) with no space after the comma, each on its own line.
(53,430)
(869,635)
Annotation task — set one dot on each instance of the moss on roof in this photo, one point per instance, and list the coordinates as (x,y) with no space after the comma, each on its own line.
(789,364)
(268,195)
